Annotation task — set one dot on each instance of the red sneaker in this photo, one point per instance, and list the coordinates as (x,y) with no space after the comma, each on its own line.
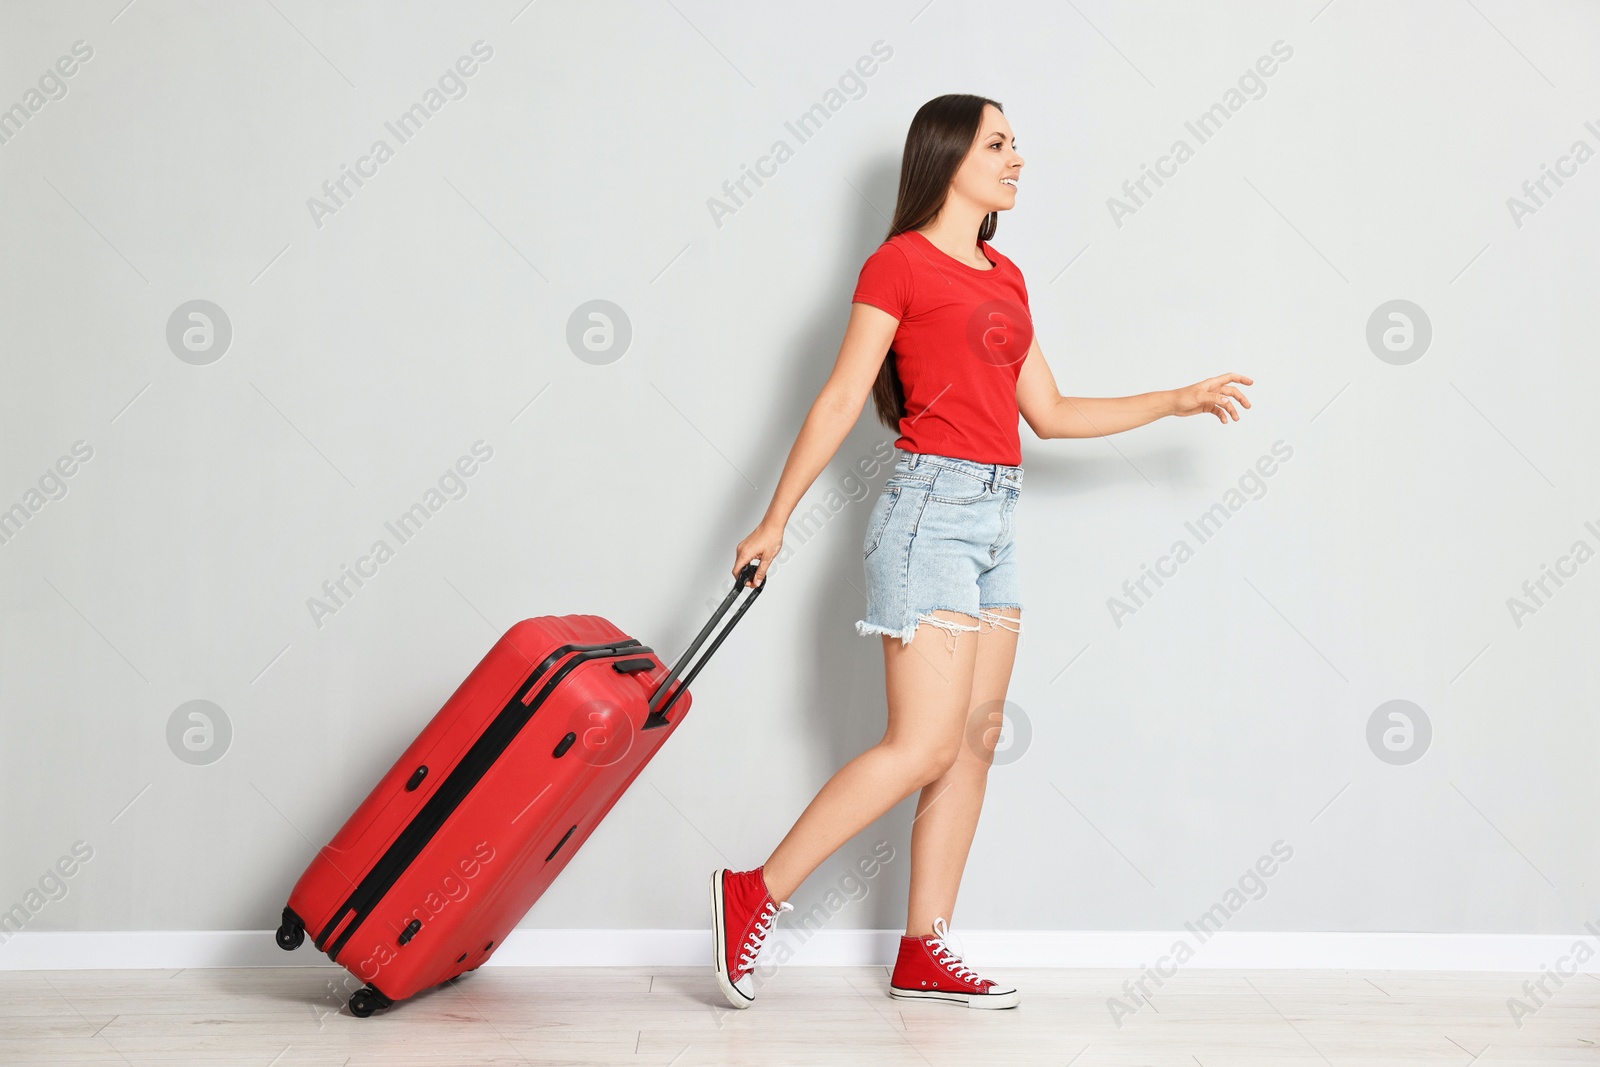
(926,969)
(742,914)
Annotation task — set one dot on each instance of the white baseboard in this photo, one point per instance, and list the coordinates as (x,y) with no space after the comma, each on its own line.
(1121,950)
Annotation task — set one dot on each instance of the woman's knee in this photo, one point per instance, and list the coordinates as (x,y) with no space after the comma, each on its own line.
(925,763)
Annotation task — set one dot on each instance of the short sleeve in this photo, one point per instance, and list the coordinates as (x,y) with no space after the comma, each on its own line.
(1022,282)
(885,281)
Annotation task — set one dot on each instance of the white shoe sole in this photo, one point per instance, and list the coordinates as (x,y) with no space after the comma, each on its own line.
(1009,999)
(719,946)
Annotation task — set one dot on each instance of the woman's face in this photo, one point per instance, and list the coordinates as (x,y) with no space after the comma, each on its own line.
(988,174)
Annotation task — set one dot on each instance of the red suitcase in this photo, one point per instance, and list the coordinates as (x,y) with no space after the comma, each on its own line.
(490,802)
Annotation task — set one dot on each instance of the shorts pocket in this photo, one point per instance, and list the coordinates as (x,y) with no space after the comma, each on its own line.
(907,480)
(1007,524)
(958,487)
(879,520)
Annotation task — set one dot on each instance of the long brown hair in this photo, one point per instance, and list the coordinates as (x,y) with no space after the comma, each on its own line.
(941,133)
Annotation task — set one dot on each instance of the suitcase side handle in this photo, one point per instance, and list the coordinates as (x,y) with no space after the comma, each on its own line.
(658,714)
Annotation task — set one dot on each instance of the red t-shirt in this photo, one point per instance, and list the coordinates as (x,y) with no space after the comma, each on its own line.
(959,349)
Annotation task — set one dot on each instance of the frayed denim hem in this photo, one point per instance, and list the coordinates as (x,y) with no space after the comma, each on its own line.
(869,629)
(951,628)
(1004,622)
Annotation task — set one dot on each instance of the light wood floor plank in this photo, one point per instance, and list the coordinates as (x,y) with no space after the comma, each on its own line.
(675,1017)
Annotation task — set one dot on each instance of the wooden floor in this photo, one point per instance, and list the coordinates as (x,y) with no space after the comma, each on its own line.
(295,1017)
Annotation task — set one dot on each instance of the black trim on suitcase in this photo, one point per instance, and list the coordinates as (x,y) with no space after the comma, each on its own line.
(563,841)
(494,740)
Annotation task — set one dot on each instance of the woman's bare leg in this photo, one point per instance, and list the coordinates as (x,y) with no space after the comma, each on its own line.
(929,690)
(947,812)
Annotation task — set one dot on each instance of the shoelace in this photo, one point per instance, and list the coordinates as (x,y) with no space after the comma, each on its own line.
(941,948)
(752,945)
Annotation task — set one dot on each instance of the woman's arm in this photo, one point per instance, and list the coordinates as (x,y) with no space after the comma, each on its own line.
(1049,414)
(867,337)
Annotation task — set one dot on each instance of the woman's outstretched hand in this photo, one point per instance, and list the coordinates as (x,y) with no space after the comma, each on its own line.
(762,544)
(1215,395)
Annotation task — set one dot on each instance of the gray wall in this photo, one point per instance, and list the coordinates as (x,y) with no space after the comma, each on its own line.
(1153,756)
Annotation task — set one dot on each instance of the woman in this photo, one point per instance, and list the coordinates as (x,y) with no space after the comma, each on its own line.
(940,550)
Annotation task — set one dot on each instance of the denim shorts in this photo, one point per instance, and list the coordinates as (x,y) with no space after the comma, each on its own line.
(941,536)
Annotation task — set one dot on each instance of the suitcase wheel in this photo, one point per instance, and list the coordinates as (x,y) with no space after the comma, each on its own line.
(291,935)
(365,1001)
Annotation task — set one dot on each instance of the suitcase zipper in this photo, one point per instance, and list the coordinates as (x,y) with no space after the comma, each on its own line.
(494,740)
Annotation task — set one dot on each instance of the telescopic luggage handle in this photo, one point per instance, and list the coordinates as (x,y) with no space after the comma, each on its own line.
(658,715)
